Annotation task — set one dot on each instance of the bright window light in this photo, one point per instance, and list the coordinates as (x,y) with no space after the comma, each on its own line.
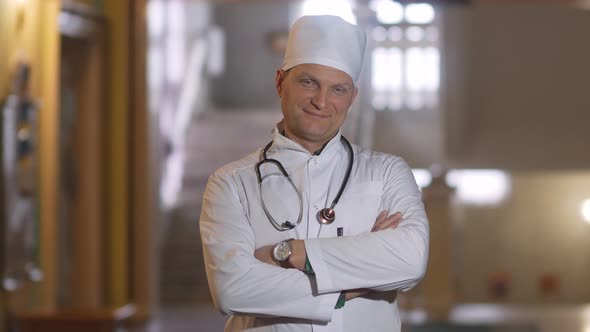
(379,34)
(342,8)
(586,212)
(480,187)
(175,43)
(388,12)
(387,69)
(415,34)
(422,176)
(419,13)
(395,34)
(422,68)
(156,18)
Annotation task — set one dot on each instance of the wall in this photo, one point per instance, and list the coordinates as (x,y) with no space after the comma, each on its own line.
(516,82)
(515,79)
(248,81)
(537,230)
(417,136)
(28,31)
(514,96)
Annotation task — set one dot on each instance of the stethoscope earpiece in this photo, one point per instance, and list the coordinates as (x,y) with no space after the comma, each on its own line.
(326,216)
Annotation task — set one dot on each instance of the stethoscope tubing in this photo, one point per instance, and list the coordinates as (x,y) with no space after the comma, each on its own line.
(329,211)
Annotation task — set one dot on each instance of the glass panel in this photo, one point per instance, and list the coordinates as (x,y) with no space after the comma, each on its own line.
(415,68)
(415,34)
(342,8)
(432,68)
(380,64)
(388,12)
(406,76)
(175,43)
(422,68)
(379,33)
(156,18)
(419,13)
(396,101)
(395,34)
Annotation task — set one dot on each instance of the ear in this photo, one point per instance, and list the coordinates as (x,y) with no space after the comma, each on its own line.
(279,78)
(354,93)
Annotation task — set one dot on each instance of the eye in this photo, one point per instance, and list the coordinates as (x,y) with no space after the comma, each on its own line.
(340,90)
(307,83)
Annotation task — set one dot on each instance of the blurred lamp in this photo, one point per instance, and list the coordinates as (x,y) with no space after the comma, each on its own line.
(586,211)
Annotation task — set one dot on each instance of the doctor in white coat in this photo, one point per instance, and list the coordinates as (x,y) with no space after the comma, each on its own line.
(311,233)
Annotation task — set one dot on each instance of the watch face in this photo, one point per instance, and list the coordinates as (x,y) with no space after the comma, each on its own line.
(282,251)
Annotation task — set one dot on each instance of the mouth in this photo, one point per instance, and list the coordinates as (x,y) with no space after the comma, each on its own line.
(316,115)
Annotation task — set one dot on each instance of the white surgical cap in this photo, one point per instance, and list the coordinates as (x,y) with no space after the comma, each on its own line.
(326,40)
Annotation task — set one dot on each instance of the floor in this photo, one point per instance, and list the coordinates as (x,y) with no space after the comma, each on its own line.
(463,318)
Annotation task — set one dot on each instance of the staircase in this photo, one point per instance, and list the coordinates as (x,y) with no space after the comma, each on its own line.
(214,139)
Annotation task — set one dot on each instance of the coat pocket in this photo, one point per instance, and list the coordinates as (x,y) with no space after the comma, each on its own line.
(359,206)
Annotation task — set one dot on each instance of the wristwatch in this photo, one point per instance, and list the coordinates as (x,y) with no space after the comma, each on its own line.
(282,251)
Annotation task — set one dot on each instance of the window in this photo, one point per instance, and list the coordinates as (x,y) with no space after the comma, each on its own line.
(342,8)
(405,60)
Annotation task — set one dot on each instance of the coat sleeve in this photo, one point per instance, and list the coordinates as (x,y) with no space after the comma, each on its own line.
(385,260)
(241,284)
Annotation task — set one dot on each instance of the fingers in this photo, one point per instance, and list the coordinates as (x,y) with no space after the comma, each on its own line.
(353,293)
(390,222)
(381,216)
(379,219)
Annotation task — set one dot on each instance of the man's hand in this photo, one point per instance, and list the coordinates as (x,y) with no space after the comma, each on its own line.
(352,293)
(297,259)
(264,255)
(384,222)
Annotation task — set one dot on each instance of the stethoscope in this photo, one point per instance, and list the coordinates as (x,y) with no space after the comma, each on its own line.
(326,215)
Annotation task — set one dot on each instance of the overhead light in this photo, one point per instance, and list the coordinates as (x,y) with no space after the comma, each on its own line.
(586,211)
(480,186)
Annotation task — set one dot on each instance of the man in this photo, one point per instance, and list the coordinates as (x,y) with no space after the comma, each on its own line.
(276,259)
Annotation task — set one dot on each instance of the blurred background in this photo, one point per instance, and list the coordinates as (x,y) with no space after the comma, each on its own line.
(114,113)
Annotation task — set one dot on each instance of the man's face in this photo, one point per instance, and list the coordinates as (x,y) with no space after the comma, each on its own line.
(315,100)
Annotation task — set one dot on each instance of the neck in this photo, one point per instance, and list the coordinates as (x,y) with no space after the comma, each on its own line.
(314,148)
(311,146)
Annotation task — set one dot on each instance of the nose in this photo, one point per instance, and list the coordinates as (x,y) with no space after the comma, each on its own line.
(319,99)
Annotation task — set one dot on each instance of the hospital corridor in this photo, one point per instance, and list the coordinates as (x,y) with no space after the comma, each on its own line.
(115,113)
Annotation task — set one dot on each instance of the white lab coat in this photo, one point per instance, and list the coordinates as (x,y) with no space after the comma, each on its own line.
(263,297)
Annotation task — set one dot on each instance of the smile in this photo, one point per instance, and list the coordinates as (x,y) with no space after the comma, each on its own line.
(321,116)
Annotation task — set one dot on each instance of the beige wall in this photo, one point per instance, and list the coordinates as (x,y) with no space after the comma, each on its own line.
(514,96)
(515,82)
(538,229)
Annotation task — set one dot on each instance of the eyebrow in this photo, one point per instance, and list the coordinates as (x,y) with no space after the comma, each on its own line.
(303,74)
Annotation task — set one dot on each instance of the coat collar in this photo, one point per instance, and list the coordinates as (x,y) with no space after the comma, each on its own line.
(283,143)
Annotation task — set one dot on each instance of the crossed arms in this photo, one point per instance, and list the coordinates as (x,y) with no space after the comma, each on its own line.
(393,256)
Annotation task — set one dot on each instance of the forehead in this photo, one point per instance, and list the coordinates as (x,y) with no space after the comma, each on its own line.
(322,72)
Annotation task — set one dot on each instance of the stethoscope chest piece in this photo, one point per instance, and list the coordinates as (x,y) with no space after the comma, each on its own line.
(326,216)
